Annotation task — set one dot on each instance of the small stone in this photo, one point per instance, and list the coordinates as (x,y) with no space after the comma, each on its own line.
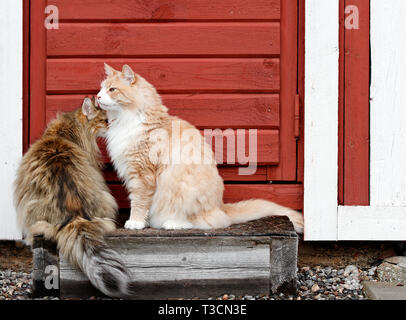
(225,297)
(371,272)
(315,288)
(351,271)
(309,283)
(349,286)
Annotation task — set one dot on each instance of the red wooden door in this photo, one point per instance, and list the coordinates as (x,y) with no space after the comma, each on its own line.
(218,64)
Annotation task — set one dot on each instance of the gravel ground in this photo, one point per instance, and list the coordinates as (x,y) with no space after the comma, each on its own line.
(323,283)
(318,283)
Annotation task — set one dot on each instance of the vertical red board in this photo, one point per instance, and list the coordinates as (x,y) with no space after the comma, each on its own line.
(37,70)
(301,89)
(355,112)
(287,169)
(341,107)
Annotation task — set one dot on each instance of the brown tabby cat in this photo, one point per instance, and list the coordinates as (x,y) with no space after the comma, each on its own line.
(60,193)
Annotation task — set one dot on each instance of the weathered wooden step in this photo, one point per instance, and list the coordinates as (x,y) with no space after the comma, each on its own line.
(255,258)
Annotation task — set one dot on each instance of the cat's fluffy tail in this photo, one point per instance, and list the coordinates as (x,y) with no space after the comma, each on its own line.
(82,243)
(249,210)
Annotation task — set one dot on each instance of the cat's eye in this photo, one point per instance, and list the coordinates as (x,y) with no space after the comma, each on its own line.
(112,89)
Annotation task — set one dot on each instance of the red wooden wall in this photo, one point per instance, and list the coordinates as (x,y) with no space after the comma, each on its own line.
(218,64)
(354,107)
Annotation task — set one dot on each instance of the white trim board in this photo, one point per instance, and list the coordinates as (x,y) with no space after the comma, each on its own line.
(372,223)
(388,103)
(11,93)
(321,119)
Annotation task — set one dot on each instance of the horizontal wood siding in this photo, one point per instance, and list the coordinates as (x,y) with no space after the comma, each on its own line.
(217,64)
(169,75)
(167,10)
(267,147)
(287,195)
(222,111)
(227,173)
(146,39)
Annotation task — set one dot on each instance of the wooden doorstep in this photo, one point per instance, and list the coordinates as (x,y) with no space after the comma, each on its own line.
(255,258)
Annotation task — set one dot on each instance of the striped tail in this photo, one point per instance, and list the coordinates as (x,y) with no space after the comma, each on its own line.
(81,242)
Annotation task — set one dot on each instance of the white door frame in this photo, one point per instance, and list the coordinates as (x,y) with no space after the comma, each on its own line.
(321,119)
(11,125)
(324,219)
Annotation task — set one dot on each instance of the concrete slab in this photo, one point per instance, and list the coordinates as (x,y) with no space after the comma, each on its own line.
(384,291)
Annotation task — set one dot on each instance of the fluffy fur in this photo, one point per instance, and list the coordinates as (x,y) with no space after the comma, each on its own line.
(60,193)
(170,195)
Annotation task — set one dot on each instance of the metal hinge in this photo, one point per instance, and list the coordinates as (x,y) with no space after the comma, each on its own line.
(297,117)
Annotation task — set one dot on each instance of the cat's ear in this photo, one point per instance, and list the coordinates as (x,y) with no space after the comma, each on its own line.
(128,74)
(88,109)
(109,70)
(94,102)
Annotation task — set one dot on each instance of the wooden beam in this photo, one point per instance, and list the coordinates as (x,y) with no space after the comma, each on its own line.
(356,108)
(321,119)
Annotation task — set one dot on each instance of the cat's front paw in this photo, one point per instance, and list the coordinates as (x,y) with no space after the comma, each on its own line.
(135,225)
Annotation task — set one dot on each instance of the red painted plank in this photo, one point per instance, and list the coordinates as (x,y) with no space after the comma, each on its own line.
(156,10)
(356,117)
(287,195)
(202,110)
(286,171)
(169,39)
(170,75)
(341,106)
(301,89)
(37,70)
(227,173)
(267,148)
(232,174)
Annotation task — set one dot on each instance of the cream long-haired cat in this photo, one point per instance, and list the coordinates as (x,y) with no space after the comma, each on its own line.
(145,144)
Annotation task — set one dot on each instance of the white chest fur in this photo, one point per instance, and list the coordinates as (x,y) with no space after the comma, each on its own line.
(124,131)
